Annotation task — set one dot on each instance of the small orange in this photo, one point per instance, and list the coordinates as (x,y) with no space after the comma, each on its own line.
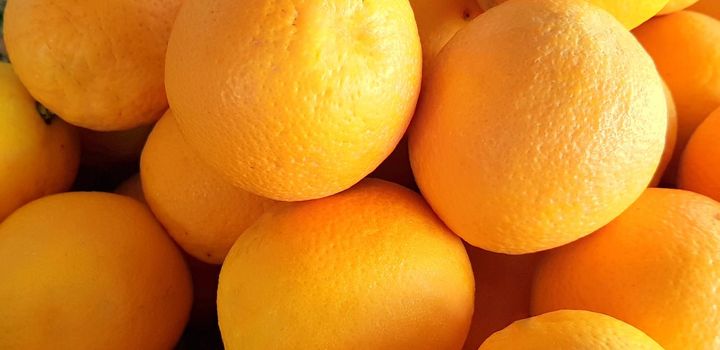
(309,99)
(570,329)
(708,7)
(132,187)
(97,64)
(670,138)
(700,165)
(676,5)
(201,211)
(90,271)
(686,48)
(540,122)
(654,267)
(369,268)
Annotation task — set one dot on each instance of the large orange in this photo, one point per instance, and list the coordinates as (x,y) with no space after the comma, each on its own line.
(708,7)
(654,267)
(630,13)
(570,329)
(540,122)
(90,271)
(670,138)
(308,99)
(676,5)
(700,165)
(201,211)
(39,154)
(97,64)
(369,268)
(686,48)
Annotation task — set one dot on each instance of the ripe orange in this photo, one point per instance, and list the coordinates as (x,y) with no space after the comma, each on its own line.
(132,187)
(570,329)
(700,165)
(670,138)
(90,271)
(201,211)
(39,155)
(654,267)
(708,7)
(686,48)
(629,13)
(540,122)
(97,64)
(369,268)
(502,292)
(310,97)
(676,5)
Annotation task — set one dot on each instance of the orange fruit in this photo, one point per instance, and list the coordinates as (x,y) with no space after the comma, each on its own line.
(109,149)
(630,13)
(90,271)
(516,174)
(39,154)
(97,64)
(700,165)
(570,329)
(369,268)
(132,187)
(438,21)
(676,5)
(708,7)
(309,99)
(502,292)
(201,211)
(686,48)
(670,138)
(653,267)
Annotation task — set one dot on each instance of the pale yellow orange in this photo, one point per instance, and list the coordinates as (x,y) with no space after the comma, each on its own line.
(670,139)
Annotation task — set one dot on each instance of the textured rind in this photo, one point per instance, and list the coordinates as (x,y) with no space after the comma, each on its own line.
(309,97)
(536,131)
(700,165)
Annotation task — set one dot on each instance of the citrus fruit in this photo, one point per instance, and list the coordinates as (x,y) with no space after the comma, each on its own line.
(676,5)
(686,48)
(97,64)
(201,211)
(540,122)
(310,98)
(369,268)
(708,7)
(109,149)
(629,13)
(502,292)
(653,267)
(570,329)
(670,138)
(700,165)
(132,187)
(90,271)
(39,154)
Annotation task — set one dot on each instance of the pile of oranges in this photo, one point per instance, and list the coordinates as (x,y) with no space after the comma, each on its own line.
(360,174)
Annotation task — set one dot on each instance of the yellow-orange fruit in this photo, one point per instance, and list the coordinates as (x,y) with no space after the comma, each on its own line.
(654,267)
(670,138)
(203,213)
(540,122)
(676,5)
(90,271)
(97,64)
(708,7)
(369,268)
(700,165)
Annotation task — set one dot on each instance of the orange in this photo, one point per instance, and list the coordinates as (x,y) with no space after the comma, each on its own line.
(540,122)
(438,21)
(39,154)
(109,149)
(369,268)
(629,13)
(90,271)
(676,5)
(670,138)
(570,329)
(201,211)
(700,165)
(708,7)
(653,267)
(132,187)
(97,64)
(310,98)
(686,48)
(502,292)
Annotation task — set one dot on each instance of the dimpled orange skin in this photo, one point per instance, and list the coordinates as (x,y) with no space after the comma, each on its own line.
(369,268)
(676,5)
(311,97)
(630,13)
(201,211)
(90,271)
(670,139)
(686,48)
(502,292)
(708,7)
(37,158)
(654,267)
(570,329)
(97,64)
(132,187)
(540,122)
(700,165)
